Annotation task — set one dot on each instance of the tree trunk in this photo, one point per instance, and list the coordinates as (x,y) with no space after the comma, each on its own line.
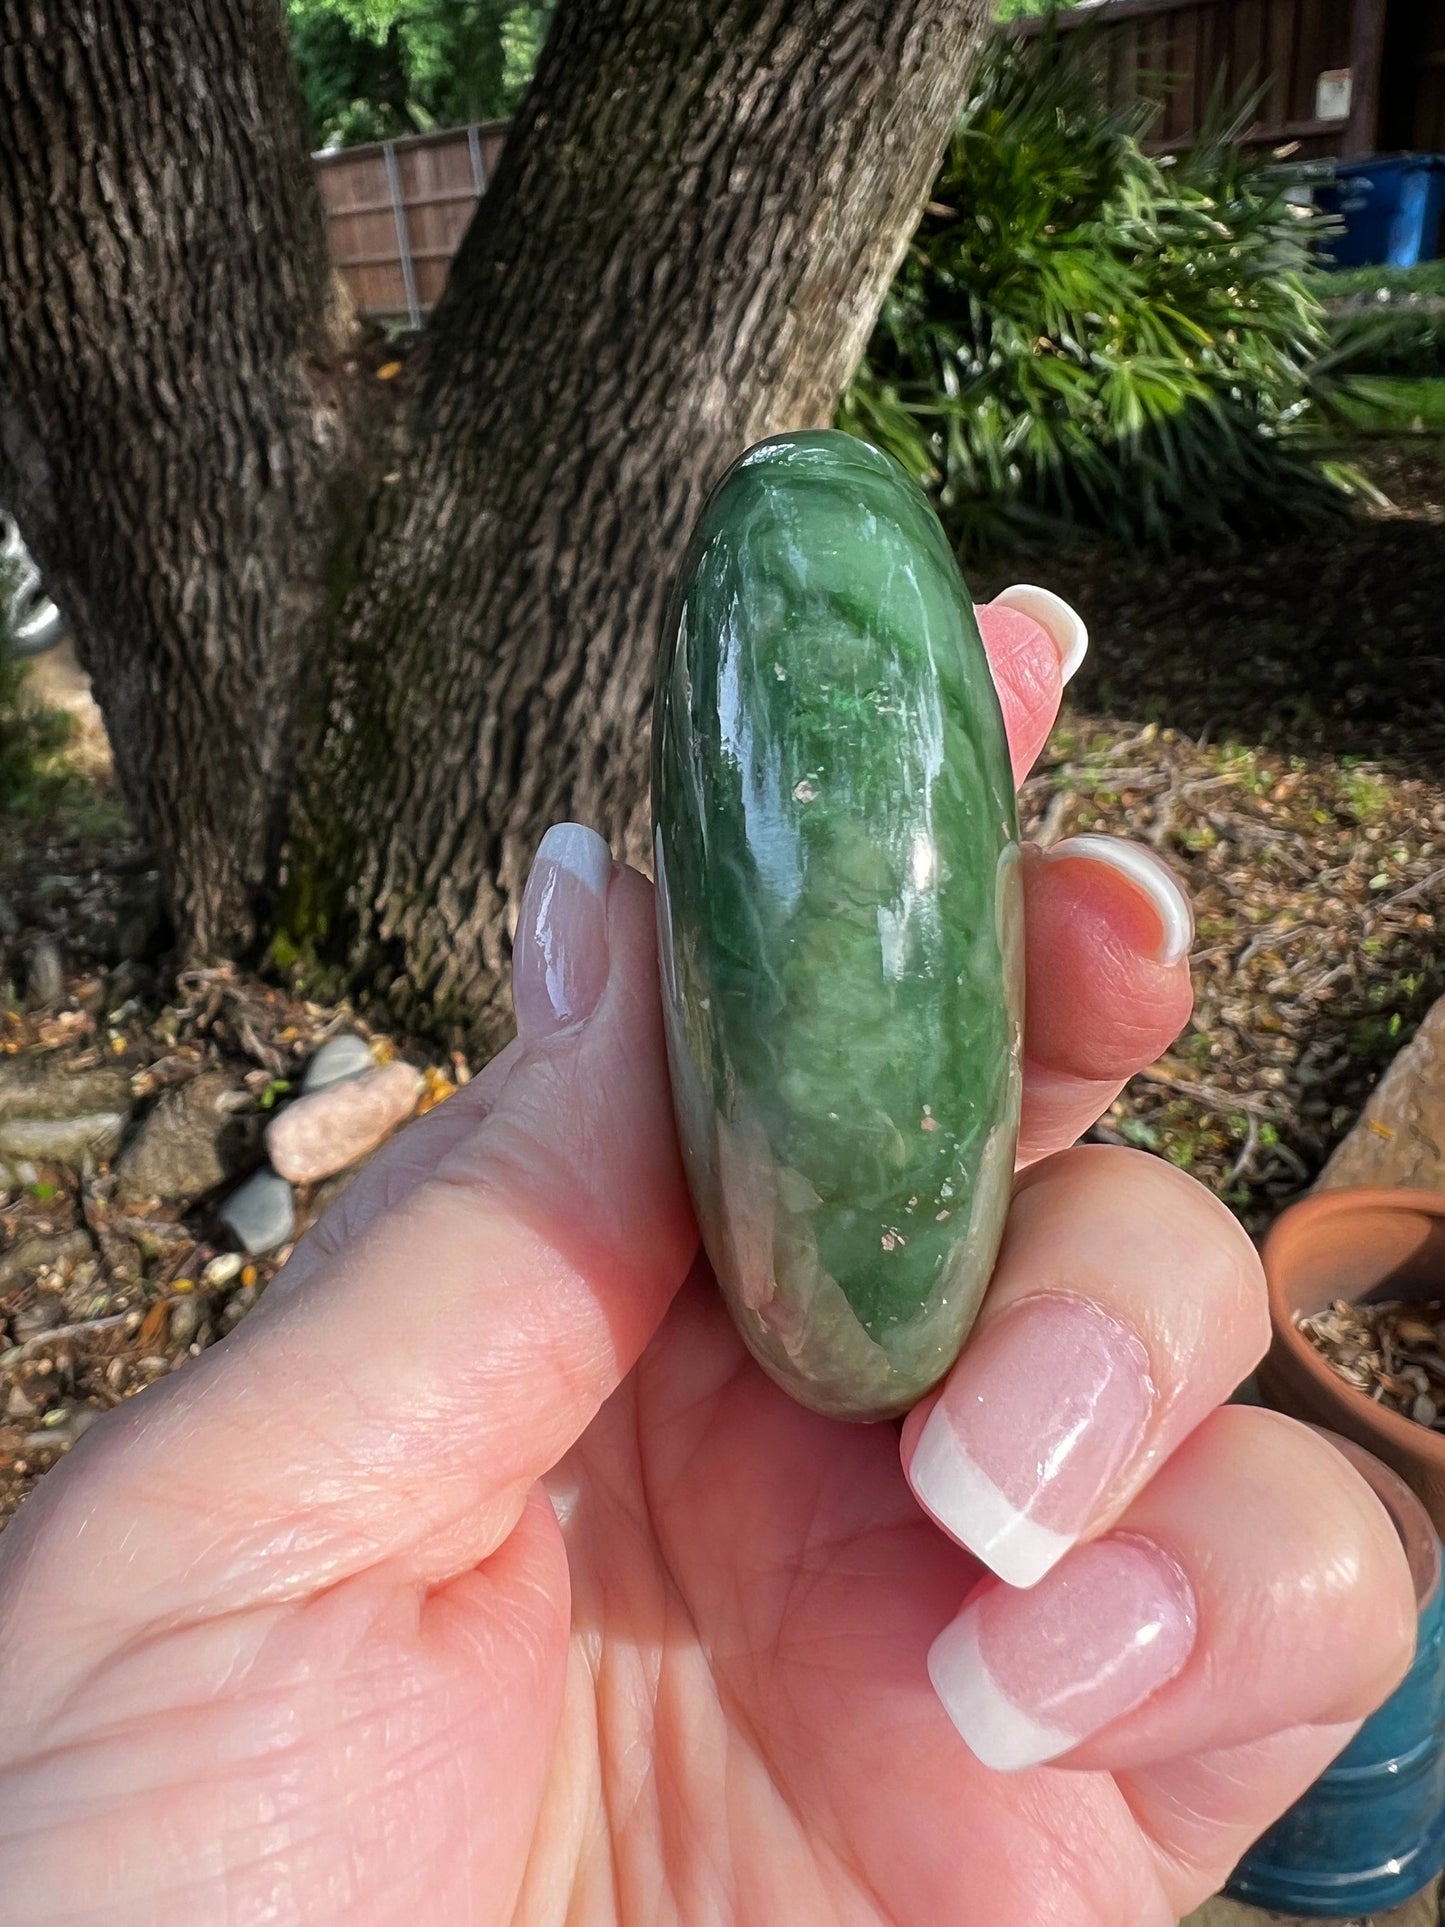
(167,424)
(696,218)
(694,224)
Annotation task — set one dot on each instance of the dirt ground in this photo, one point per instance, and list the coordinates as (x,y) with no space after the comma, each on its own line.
(1271,721)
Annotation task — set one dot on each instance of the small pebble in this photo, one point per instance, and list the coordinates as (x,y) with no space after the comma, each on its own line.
(325,1132)
(45,978)
(18,1406)
(1423,1410)
(221,1270)
(235,1309)
(338,1059)
(185,1318)
(261,1214)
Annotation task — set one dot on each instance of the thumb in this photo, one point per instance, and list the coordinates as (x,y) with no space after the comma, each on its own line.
(492,1278)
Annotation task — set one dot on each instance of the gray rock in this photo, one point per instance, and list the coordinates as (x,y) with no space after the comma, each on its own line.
(45,978)
(58,1253)
(262,1214)
(45,1087)
(192,1141)
(9,922)
(80,1142)
(18,1406)
(338,1058)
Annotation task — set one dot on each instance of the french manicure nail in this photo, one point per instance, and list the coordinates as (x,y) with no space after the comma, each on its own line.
(1040,1415)
(1065,626)
(1026,1676)
(1147,873)
(559,956)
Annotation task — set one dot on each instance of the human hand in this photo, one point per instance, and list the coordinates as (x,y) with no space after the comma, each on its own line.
(481,1577)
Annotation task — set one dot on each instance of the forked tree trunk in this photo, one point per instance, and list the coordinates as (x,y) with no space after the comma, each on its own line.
(696,218)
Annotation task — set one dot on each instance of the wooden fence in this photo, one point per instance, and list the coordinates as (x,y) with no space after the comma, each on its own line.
(1339,78)
(397,210)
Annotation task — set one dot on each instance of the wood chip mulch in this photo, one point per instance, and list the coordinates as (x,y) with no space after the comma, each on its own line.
(1393,1352)
(1272,722)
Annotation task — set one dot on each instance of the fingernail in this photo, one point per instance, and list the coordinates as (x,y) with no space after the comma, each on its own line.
(1040,1415)
(1026,1676)
(1065,625)
(559,957)
(1155,879)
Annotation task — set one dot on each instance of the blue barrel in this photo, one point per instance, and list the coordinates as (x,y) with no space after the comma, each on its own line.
(1371,1831)
(1391,209)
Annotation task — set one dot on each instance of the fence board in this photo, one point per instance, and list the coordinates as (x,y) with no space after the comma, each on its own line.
(1173,52)
(394,224)
(1282,47)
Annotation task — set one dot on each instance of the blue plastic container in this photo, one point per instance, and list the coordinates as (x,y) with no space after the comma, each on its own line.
(1391,209)
(1371,1831)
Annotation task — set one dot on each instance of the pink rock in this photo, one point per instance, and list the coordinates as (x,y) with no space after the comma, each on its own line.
(325,1132)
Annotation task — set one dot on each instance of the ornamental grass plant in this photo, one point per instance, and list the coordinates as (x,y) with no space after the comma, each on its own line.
(1085,333)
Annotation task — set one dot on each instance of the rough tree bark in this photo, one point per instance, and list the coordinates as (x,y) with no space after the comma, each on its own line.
(697,216)
(167,424)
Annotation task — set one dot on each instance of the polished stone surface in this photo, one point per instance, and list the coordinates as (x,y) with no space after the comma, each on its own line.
(840,910)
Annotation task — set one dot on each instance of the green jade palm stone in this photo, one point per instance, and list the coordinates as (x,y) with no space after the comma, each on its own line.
(839,900)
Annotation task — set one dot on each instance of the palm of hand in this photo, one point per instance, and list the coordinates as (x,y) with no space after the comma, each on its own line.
(702,1698)
(749,1717)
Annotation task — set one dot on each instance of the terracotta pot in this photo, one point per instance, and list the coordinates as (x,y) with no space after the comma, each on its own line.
(1354,1244)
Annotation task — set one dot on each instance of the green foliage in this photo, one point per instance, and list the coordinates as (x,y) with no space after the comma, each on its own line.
(1425,278)
(372,69)
(31,739)
(1384,320)
(1028,9)
(1389,339)
(1389,404)
(1081,333)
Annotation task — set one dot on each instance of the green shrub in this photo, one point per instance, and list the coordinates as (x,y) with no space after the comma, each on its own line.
(1425,278)
(1390,404)
(1081,333)
(1389,340)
